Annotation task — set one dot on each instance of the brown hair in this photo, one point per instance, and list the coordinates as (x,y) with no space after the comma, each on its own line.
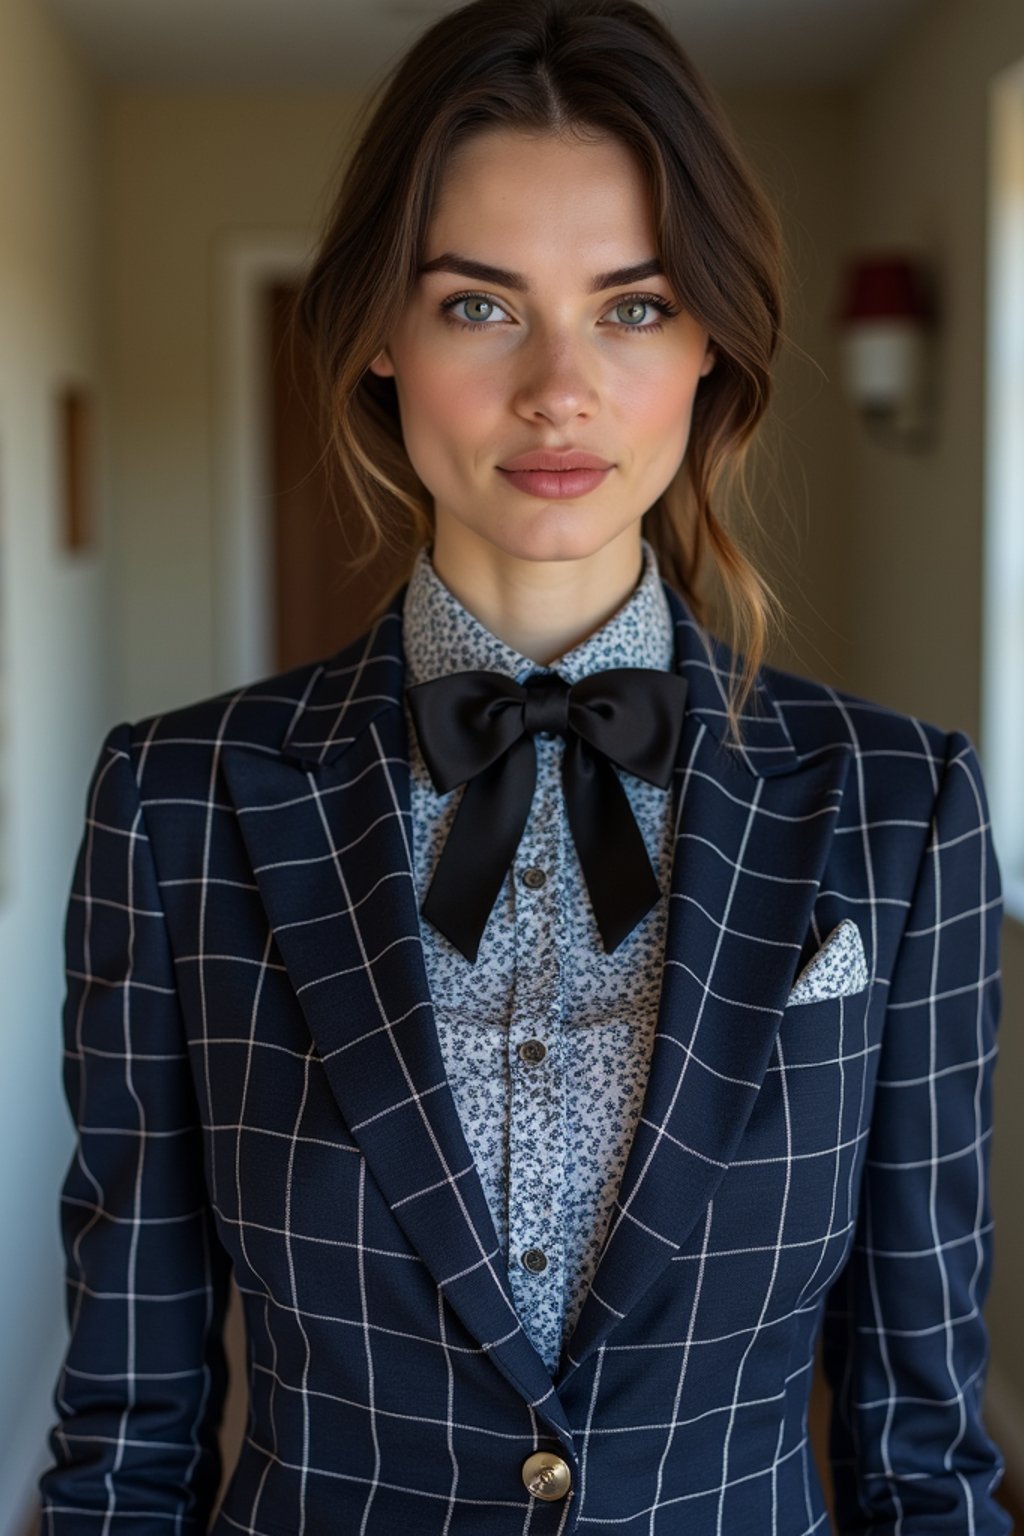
(609,66)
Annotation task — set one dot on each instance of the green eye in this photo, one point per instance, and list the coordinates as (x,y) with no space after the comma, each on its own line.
(634,307)
(474,322)
(481,304)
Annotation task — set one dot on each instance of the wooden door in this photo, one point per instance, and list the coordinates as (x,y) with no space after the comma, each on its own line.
(319,602)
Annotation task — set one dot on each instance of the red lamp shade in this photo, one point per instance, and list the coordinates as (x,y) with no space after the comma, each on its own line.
(883,288)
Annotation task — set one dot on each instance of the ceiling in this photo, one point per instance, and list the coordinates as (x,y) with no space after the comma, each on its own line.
(350,43)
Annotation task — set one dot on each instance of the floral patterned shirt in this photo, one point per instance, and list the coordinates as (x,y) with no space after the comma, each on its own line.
(546,1039)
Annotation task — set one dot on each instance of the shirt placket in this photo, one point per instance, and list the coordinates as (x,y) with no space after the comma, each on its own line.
(537,1120)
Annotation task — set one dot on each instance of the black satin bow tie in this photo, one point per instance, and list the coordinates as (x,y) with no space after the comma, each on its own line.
(477,728)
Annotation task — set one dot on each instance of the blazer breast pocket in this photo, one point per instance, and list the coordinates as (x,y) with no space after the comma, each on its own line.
(825,1021)
(806,1119)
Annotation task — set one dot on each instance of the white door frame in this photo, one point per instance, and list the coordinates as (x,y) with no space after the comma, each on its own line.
(1002,732)
(244,264)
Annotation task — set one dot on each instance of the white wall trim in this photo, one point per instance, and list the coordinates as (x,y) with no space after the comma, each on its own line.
(1013,895)
(244,263)
(1002,730)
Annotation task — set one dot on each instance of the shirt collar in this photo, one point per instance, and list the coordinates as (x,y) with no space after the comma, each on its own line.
(440,635)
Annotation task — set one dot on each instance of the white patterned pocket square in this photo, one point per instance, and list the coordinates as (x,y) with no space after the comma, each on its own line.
(838,969)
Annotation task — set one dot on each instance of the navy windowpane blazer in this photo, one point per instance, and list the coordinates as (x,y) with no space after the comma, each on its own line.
(255,1075)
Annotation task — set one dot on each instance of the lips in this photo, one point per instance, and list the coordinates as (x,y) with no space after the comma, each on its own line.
(555,461)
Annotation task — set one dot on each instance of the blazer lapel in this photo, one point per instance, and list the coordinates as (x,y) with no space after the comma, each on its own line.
(753,829)
(327,827)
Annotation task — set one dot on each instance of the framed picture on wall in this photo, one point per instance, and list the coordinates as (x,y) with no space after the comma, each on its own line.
(76,434)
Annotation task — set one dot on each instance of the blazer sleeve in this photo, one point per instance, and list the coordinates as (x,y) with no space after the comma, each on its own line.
(140,1394)
(905,1346)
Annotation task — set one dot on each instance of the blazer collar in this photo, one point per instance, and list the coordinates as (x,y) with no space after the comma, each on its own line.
(350,689)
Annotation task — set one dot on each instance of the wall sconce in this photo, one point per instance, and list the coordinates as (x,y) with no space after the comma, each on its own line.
(885,315)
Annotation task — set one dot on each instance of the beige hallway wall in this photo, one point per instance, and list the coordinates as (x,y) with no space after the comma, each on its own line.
(57,700)
(186,172)
(803,145)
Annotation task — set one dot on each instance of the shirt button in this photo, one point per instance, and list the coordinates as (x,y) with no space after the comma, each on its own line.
(535,1260)
(534,877)
(533,1051)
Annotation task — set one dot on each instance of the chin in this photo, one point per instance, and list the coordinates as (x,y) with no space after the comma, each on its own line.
(555,532)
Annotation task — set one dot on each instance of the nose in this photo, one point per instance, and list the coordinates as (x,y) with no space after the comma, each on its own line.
(557,380)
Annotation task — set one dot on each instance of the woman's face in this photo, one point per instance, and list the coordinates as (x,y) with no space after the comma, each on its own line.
(568,349)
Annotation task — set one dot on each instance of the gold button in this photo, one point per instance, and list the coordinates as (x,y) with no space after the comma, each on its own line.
(546,1475)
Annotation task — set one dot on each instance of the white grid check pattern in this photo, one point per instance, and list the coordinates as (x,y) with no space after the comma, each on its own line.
(256,1083)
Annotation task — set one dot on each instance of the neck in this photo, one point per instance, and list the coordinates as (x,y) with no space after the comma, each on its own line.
(540,607)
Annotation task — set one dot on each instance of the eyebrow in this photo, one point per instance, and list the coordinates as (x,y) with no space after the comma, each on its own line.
(449,261)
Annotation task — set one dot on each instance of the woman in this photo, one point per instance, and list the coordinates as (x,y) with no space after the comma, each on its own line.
(554,1020)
